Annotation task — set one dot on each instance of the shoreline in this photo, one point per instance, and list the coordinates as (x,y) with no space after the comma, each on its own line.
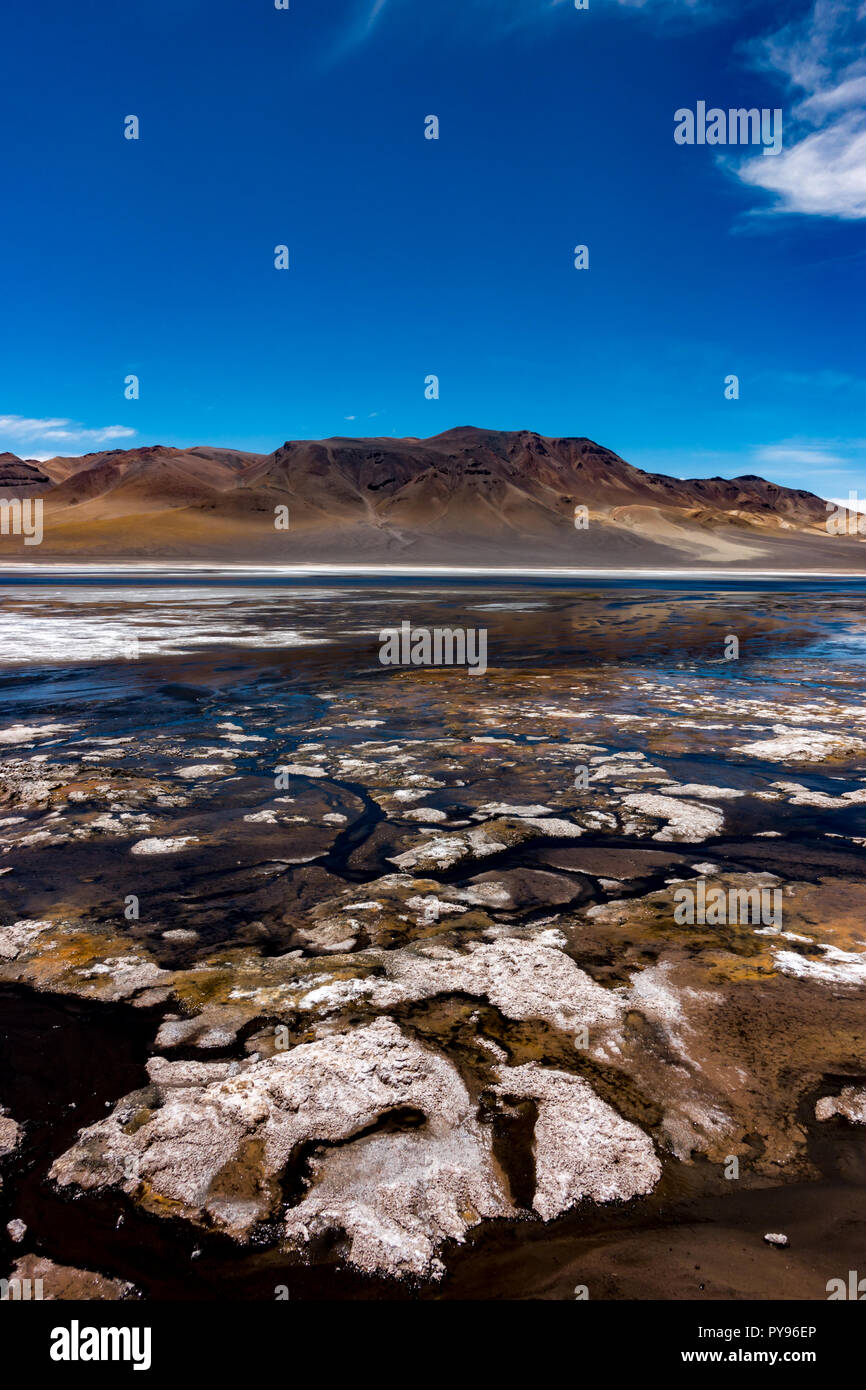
(211,570)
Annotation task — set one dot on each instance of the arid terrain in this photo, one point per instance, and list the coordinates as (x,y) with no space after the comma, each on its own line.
(468,496)
(325,979)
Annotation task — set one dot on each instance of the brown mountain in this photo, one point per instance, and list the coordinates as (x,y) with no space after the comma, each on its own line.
(119,482)
(468,497)
(20,477)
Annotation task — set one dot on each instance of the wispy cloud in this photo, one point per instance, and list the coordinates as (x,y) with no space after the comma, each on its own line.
(824,381)
(808,453)
(46,437)
(656,5)
(823,466)
(829,467)
(485,19)
(377,10)
(499,15)
(823,58)
(513,12)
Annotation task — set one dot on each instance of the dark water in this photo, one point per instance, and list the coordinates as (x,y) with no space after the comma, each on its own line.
(629,665)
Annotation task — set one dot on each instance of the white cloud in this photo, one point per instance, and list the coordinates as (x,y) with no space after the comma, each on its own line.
(798,452)
(852,502)
(44,438)
(822,57)
(823,174)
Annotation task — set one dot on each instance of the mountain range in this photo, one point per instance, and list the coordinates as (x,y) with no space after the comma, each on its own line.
(466,497)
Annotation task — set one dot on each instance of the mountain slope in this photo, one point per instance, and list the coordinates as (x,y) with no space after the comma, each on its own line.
(468,496)
(20,477)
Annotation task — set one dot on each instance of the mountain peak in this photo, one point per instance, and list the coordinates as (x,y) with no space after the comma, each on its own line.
(468,495)
(18,476)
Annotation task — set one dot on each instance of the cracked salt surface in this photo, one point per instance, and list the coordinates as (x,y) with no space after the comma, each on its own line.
(26,733)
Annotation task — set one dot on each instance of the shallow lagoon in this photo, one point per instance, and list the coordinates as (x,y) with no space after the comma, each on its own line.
(142,737)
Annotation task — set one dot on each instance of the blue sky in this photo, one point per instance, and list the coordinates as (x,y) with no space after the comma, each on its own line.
(412,257)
